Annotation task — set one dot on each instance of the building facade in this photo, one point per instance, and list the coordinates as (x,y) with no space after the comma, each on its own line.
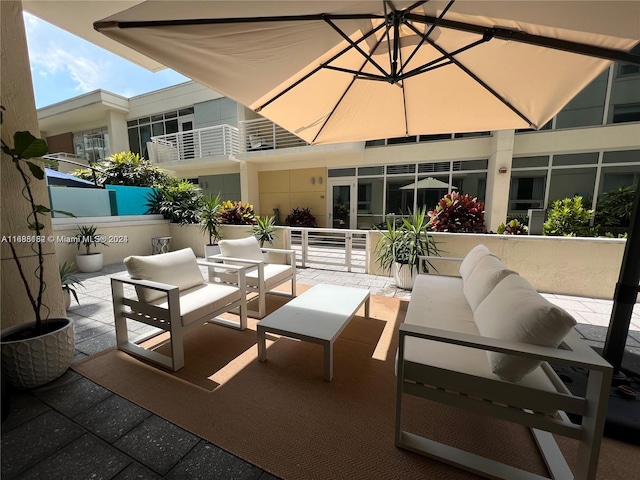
(590,148)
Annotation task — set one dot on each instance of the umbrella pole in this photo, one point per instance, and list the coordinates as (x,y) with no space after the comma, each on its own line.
(624,298)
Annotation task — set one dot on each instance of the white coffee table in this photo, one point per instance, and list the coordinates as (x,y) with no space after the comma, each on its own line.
(318,315)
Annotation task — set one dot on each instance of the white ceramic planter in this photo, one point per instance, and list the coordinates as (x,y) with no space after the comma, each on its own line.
(32,362)
(404,275)
(90,263)
(210,250)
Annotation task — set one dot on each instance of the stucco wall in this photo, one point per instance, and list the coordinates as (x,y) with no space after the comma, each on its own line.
(587,267)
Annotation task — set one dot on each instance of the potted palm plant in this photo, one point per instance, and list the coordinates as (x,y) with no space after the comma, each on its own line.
(38,352)
(264,230)
(210,223)
(89,261)
(69,282)
(401,246)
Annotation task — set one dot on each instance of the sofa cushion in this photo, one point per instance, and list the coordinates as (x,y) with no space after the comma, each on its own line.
(241,248)
(488,272)
(179,268)
(471,260)
(515,311)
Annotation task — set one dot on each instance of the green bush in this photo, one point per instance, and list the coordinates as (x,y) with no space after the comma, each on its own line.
(458,214)
(569,218)
(513,227)
(178,201)
(126,168)
(614,207)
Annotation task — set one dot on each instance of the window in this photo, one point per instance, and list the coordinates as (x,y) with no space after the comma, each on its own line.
(142,129)
(92,145)
(527,191)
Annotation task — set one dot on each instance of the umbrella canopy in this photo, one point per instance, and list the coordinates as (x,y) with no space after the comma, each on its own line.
(427,184)
(64,179)
(333,72)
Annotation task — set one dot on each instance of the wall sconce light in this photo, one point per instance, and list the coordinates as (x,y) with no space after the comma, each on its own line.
(502,170)
(313,180)
(320,180)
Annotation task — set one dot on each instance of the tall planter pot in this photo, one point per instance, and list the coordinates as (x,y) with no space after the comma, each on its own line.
(32,362)
(404,275)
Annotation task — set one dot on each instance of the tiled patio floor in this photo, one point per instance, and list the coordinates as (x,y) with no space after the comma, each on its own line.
(74,429)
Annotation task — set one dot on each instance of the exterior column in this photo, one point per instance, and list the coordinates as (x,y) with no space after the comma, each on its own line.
(499,179)
(118,135)
(20,114)
(249,185)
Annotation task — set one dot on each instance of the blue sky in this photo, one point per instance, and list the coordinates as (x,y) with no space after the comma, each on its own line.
(65,66)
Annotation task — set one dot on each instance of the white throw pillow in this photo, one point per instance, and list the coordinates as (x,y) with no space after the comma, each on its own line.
(515,311)
(471,260)
(241,248)
(480,283)
(179,268)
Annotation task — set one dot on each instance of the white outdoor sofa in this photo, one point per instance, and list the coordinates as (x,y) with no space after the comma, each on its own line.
(481,342)
(172,295)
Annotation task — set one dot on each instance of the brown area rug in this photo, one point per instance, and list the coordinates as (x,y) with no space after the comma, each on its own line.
(283,417)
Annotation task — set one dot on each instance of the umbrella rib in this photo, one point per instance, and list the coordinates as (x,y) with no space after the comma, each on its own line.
(355,45)
(537,40)
(317,69)
(475,77)
(346,90)
(423,37)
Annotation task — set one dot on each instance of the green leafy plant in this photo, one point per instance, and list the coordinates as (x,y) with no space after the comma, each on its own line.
(614,207)
(68,279)
(458,214)
(125,168)
(301,217)
(178,201)
(210,218)
(237,213)
(87,236)
(26,156)
(405,243)
(264,230)
(513,227)
(569,218)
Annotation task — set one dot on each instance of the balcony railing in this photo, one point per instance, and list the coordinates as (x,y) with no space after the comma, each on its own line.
(217,141)
(263,134)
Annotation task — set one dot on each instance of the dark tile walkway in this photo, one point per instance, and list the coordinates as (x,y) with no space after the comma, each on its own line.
(74,429)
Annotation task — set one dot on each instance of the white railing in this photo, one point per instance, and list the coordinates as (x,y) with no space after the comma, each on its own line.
(217,141)
(343,250)
(263,134)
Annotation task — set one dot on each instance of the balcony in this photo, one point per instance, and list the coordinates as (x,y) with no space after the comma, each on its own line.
(221,141)
(217,141)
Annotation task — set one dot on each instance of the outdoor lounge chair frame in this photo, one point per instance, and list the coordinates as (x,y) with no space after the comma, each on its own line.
(168,319)
(510,401)
(264,284)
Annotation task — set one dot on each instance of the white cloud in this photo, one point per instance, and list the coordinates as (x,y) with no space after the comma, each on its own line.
(53,54)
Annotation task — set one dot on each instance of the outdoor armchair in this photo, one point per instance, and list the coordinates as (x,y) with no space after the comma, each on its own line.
(172,295)
(266,275)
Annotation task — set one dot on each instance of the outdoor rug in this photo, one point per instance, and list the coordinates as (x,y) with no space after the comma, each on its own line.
(283,417)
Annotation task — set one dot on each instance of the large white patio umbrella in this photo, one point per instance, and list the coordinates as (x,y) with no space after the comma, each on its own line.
(428,183)
(334,72)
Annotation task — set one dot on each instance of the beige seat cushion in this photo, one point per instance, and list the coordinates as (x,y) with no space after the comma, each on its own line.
(179,268)
(203,300)
(471,260)
(515,311)
(241,248)
(489,271)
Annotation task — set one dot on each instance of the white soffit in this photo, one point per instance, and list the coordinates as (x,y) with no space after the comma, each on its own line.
(77,17)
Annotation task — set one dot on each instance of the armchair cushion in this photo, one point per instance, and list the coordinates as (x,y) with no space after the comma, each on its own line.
(471,260)
(241,248)
(179,268)
(489,271)
(515,311)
